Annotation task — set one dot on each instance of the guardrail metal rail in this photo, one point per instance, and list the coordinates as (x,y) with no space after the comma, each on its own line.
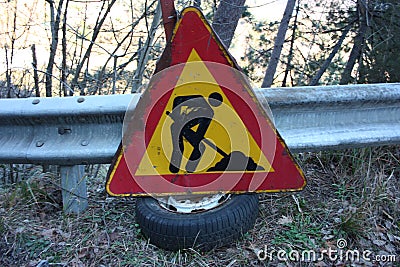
(75,131)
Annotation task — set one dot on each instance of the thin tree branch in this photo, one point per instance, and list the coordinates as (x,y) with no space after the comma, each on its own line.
(327,62)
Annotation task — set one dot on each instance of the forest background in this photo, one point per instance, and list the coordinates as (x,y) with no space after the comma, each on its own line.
(70,47)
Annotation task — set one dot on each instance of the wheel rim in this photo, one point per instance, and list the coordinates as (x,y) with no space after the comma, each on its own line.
(192,204)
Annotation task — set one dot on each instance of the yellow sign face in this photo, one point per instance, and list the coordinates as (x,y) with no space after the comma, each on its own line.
(200,131)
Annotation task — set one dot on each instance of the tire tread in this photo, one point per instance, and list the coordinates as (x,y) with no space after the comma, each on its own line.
(203,231)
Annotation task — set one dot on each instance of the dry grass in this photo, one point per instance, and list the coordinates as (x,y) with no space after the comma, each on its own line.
(352,194)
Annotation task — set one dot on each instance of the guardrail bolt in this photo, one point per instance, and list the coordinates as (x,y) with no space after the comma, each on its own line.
(39,143)
(80,100)
(84,143)
(35,101)
(63,130)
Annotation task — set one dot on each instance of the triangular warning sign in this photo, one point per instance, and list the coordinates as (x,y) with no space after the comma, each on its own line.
(198,127)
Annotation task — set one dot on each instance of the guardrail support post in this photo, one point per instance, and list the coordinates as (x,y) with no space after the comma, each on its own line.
(74,191)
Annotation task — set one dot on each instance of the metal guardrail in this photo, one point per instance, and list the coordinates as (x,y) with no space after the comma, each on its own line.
(75,131)
(83,130)
(336,117)
(62,131)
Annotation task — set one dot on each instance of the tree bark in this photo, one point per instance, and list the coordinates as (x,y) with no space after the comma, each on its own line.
(290,56)
(8,74)
(64,89)
(358,45)
(226,19)
(279,40)
(315,79)
(115,75)
(55,26)
(35,72)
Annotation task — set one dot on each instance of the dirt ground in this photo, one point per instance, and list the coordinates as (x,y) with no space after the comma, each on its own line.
(348,215)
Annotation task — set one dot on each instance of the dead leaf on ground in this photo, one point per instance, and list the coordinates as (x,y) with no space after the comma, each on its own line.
(379,242)
(285,220)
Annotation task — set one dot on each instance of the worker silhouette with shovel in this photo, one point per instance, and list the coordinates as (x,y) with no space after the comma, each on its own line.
(189,112)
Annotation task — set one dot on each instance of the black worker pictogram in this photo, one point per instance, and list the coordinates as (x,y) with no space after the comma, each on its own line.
(194,111)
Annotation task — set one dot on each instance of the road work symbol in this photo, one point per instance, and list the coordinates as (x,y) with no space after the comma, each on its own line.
(194,111)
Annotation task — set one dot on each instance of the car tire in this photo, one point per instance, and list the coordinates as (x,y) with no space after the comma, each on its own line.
(202,230)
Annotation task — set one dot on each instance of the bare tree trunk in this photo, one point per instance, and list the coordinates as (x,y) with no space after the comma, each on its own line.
(64,89)
(55,26)
(315,79)
(8,74)
(115,76)
(290,56)
(226,19)
(9,58)
(14,32)
(359,41)
(144,55)
(35,72)
(279,40)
